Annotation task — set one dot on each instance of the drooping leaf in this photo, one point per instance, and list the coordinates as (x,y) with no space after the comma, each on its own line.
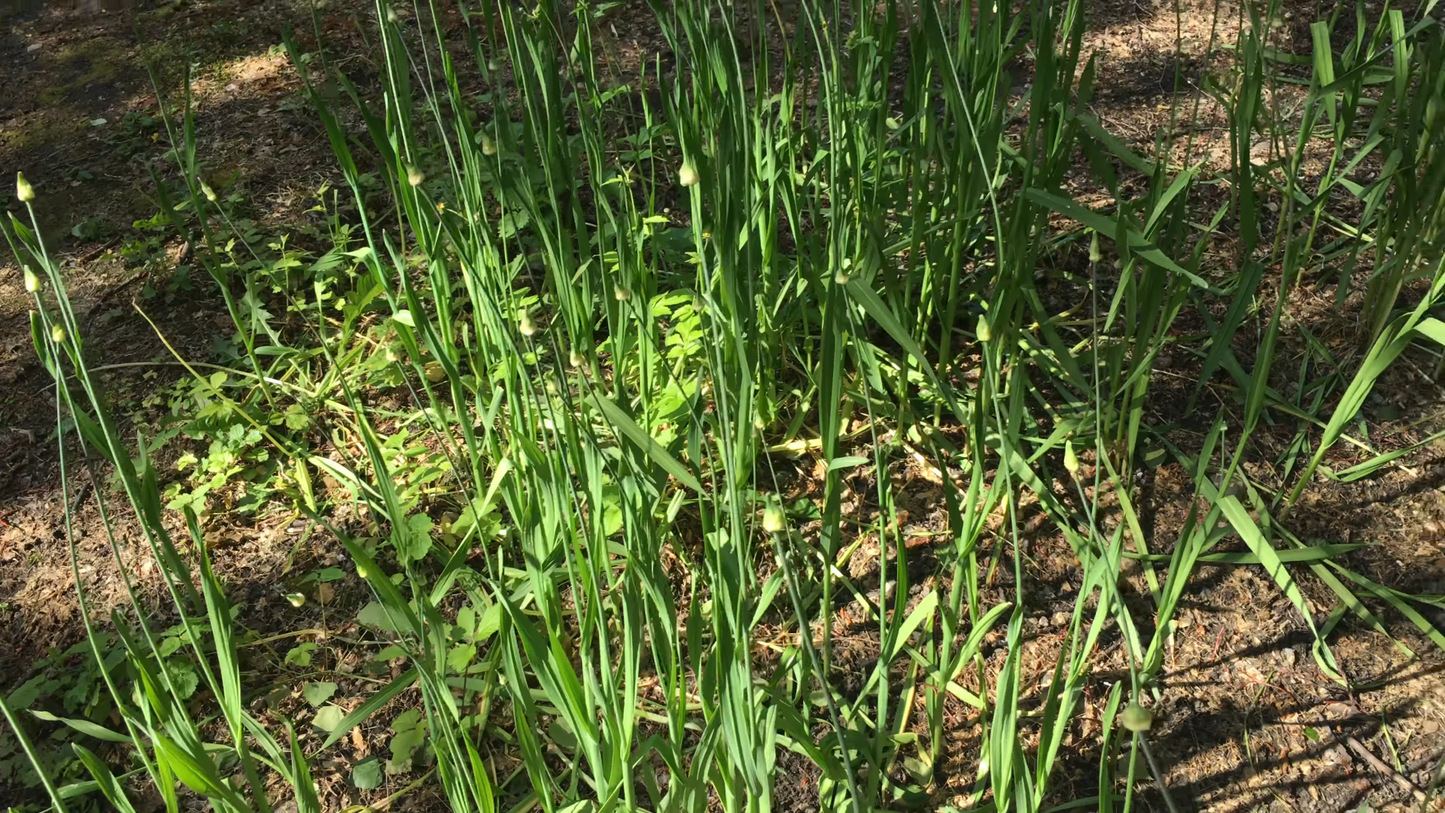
(83,726)
(318,693)
(329,718)
(637,435)
(366,774)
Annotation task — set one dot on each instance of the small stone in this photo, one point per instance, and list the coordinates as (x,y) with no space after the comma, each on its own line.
(1249,669)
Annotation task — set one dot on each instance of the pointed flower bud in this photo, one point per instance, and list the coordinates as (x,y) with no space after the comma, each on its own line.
(1071,460)
(773,518)
(1136,718)
(687,174)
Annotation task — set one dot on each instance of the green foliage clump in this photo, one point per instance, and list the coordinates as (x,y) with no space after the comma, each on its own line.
(542,380)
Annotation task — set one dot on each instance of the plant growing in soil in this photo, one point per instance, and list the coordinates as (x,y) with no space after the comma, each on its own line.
(631,377)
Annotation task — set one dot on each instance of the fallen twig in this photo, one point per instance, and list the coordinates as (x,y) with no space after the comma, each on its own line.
(1379,765)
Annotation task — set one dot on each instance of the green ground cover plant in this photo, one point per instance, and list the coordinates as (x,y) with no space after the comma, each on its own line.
(577,315)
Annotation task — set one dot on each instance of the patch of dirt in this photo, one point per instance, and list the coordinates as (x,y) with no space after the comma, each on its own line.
(80,118)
